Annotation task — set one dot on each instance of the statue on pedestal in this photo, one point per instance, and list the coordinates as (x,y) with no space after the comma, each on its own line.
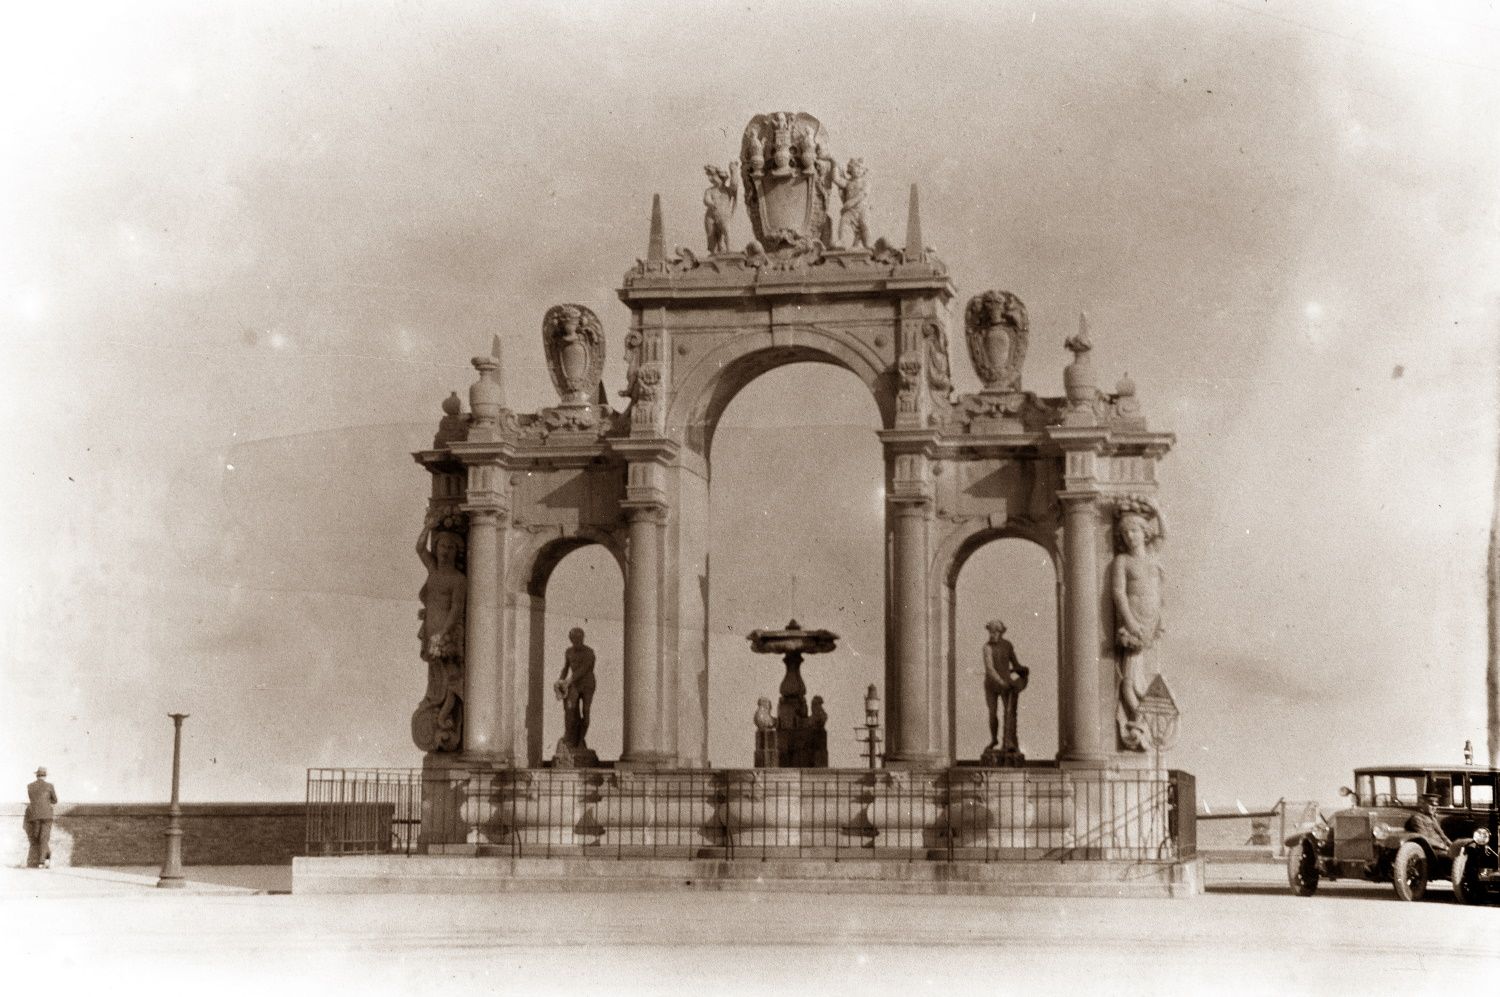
(437,723)
(1004,678)
(767,752)
(1136,582)
(854,211)
(575,688)
(719,201)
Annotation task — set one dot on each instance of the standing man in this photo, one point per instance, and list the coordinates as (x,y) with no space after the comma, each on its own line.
(40,798)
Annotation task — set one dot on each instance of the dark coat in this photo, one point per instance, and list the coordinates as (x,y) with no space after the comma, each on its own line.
(42,796)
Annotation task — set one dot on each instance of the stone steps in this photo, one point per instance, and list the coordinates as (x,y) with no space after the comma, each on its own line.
(482,874)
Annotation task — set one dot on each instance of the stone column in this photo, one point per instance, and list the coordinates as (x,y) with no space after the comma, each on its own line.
(642,679)
(1078,683)
(911,741)
(483,737)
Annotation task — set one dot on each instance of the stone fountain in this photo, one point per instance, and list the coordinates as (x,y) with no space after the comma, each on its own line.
(798,738)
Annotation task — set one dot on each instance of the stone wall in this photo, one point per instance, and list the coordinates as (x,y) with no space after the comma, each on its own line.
(116,834)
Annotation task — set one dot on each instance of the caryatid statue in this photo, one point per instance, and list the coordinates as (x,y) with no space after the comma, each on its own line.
(1136,583)
(437,723)
(1004,678)
(719,201)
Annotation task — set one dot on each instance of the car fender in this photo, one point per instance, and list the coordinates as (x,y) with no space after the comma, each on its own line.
(1295,840)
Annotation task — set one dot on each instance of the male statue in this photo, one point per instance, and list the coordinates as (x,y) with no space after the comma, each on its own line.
(718,204)
(575,687)
(1004,678)
(41,798)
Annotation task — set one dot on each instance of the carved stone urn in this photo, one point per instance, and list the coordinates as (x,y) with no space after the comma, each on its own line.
(574,342)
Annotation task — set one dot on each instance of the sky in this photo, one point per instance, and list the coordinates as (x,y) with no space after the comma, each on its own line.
(247,249)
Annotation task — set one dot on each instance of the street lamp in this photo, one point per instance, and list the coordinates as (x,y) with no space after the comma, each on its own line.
(868,733)
(171,868)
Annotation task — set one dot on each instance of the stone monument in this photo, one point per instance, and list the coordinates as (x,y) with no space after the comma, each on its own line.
(518,491)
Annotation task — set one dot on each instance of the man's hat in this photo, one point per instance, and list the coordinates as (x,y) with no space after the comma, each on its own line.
(42,770)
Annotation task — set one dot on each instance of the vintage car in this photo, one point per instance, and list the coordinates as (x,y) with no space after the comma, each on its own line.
(1406,825)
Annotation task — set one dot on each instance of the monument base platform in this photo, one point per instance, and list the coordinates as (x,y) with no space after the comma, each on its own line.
(452,874)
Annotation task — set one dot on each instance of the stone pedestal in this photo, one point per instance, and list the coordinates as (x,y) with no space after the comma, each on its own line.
(1002,758)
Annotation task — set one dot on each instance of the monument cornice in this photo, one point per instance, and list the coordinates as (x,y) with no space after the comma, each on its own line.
(923,440)
(662,449)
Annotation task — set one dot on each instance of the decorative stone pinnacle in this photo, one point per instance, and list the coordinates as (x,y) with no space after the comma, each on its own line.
(916,249)
(656,249)
(1081,343)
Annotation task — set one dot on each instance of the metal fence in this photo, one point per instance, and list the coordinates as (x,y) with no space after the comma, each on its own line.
(959,814)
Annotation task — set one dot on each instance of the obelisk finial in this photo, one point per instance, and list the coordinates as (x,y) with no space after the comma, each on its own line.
(656,251)
(915,249)
(1080,343)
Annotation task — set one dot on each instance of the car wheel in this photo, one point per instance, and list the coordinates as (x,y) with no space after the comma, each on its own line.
(1409,871)
(1465,879)
(1302,868)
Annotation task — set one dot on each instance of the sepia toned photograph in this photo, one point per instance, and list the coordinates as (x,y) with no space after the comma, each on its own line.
(856,497)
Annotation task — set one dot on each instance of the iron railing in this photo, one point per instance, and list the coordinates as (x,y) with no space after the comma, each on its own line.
(958,814)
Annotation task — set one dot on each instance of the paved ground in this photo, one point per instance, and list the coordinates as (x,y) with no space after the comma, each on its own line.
(113,932)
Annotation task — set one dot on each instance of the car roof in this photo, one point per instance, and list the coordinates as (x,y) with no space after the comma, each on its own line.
(1378,769)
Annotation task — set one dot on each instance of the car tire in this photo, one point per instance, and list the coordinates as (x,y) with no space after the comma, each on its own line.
(1465,879)
(1302,868)
(1409,871)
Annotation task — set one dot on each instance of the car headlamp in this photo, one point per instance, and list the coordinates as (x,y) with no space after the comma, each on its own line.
(1384,830)
(1482,836)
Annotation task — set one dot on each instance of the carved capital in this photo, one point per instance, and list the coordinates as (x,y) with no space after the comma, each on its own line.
(486,515)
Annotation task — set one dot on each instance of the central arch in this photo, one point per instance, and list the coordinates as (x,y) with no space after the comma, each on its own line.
(799,487)
(711,382)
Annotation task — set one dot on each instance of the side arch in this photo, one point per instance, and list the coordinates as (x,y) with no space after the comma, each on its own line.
(526,599)
(705,390)
(952,552)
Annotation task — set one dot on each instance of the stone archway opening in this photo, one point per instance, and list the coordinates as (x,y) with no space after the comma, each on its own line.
(1015,580)
(796,500)
(575,583)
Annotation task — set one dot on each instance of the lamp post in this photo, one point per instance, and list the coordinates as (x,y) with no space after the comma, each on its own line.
(171,868)
(868,733)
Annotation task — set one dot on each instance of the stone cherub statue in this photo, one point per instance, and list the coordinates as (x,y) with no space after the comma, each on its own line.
(436,723)
(575,688)
(1136,582)
(719,201)
(854,212)
(1004,679)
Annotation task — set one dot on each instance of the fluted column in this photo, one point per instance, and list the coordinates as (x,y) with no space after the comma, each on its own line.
(642,680)
(1078,684)
(483,728)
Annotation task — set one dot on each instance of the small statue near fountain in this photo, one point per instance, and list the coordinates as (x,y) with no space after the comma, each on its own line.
(800,733)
